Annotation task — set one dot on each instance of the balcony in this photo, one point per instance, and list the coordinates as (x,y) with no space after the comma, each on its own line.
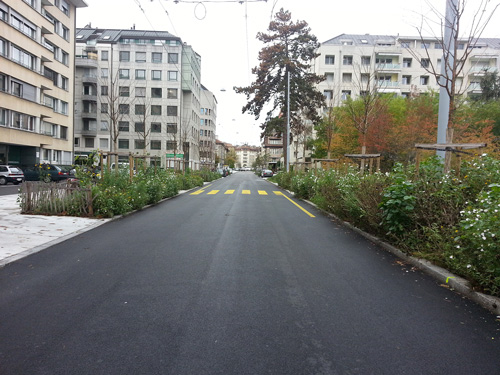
(86,61)
(89,131)
(387,67)
(89,78)
(90,97)
(89,115)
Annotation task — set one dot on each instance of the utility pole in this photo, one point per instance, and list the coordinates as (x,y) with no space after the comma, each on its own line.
(447,62)
(287,162)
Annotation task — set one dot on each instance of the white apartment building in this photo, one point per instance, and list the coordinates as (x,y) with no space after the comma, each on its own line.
(208,120)
(246,155)
(37,41)
(138,92)
(395,64)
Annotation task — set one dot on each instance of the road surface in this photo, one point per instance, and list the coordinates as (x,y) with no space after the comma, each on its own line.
(236,278)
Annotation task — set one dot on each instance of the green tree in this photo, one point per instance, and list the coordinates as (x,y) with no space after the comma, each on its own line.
(490,86)
(288,52)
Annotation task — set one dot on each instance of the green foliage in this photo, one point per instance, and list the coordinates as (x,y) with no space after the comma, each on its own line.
(476,252)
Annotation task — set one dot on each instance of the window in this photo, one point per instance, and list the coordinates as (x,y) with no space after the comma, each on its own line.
(407,62)
(347,60)
(17,89)
(140,57)
(172,75)
(123,126)
(77,142)
(123,143)
(424,80)
(406,80)
(3,48)
(104,125)
(103,143)
(346,94)
(156,57)
(124,56)
(347,77)
(104,90)
(140,109)
(171,110)
(89,142)
(171,145)
(425,45)
(140,92)
(156,127)
(425,63)
(329,77)
(104,55)
(124,91)
(124,74)
(140,74)
(365,78)
(329,60)
(23,58)
(3,83)
(172,128)
(155,145)
(171,93)
(366,60)
(328,94)
(139,144)
(104,108)
(156,92)
(438,45)
(405,45)
(173,58)
(461,46)
(139,127)
(156,110)
(156,75)
(64,83)
(65,58)
(123,109)
(104,72)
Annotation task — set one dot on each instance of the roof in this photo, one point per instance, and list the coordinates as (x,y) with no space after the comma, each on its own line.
(114,35)
(373,40)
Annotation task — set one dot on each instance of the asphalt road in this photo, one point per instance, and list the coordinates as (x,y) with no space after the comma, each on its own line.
(234,283)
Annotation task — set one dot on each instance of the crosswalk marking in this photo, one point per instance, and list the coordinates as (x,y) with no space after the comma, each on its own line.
(245,192)
(229,192)
(213,192)
(278,193)
(262,192)
(198,192)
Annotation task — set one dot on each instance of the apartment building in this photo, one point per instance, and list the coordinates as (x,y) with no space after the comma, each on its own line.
(37,40)
(246,155)
(208,120)
(138,92)
(354,64)
(272,151)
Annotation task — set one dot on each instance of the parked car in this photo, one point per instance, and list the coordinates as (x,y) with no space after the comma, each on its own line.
(267,173)
(48,172)
(11,173)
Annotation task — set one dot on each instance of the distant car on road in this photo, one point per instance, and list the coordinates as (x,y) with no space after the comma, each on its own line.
(267,173)
(48,172)
(11,173)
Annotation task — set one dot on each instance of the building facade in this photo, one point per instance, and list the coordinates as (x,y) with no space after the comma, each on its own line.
(246,155)
(138,93)
(37,41)
(208,120)
(356,64)
(272,151)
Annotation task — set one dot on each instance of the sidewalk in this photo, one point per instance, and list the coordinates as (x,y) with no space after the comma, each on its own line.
(21,235)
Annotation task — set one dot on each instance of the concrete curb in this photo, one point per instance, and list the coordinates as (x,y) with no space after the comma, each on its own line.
(456,283)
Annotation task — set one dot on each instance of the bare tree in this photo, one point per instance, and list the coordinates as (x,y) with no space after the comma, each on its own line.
(457,49)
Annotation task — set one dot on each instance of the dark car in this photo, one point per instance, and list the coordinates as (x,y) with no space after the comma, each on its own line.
(11,173)
(267,173)
(47,172)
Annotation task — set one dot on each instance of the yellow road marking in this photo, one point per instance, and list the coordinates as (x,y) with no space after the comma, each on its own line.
(245,192)
(262,192)
(213,192)
(229,192)
(307,212)
(197,192)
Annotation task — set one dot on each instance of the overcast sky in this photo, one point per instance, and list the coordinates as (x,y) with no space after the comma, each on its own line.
(223,33)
